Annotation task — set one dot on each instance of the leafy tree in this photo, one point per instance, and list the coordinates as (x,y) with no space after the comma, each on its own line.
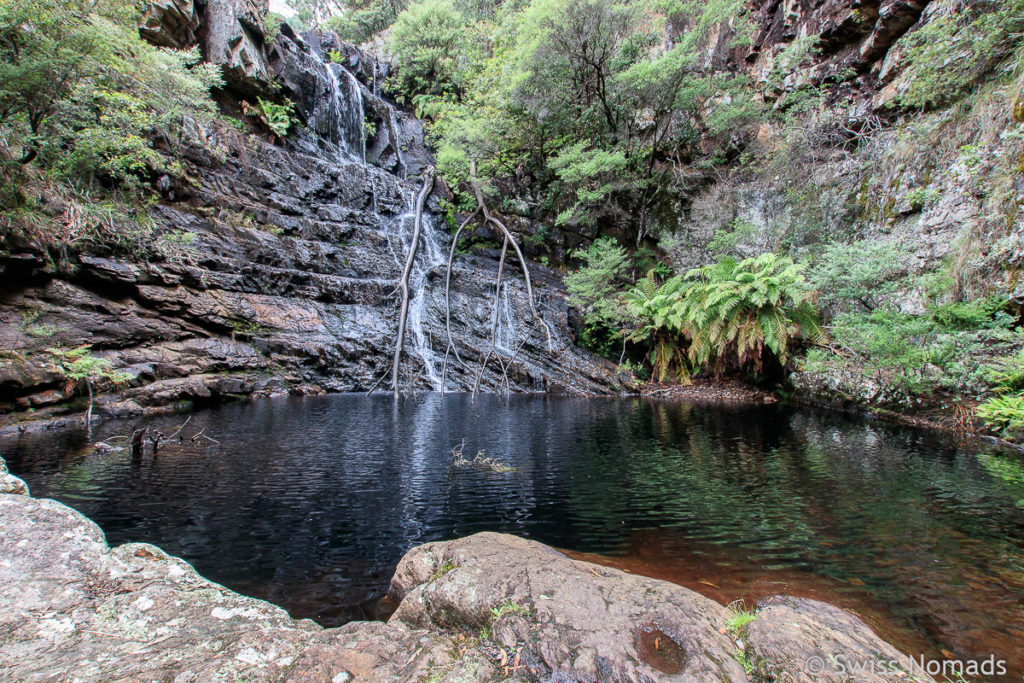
(582,107)
(82,100)
(360,20)
(595,288)
(751,308)
(866,272)
(426,38)
(75,77)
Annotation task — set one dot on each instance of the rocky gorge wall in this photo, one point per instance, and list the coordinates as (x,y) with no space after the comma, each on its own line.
(841,159)
(274,268)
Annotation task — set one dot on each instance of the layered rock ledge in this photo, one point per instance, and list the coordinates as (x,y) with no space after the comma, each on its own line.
(486,607)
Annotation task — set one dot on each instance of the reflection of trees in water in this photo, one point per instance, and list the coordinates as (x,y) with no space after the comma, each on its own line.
(903,514)
(311,502)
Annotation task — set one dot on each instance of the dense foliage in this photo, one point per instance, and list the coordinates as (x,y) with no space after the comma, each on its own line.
(83,104)
(902,334)
(740,312)
(581,108)
(750,307)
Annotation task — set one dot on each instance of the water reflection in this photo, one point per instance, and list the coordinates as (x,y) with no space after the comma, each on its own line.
(310,502)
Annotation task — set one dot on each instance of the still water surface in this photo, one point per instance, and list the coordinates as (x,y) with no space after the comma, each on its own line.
(310,502)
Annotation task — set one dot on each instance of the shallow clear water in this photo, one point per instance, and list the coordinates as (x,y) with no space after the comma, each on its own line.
(310,502)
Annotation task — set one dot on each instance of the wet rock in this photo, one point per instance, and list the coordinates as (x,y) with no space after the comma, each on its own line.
(46,398)
(275,267)
(261,295)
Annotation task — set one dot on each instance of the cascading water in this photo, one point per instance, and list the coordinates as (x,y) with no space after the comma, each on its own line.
(431,254)
(341,120)
(504,337)
(346,112)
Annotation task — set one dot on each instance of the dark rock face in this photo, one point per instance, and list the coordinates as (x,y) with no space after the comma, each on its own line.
(854,38)
(280,270)
(73,608)
(170,23)
(276,267)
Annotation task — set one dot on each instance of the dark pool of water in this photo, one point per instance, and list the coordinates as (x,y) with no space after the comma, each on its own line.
(310,502)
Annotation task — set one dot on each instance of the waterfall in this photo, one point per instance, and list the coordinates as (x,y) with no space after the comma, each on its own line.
(431,255)
(346,112)
(505,337)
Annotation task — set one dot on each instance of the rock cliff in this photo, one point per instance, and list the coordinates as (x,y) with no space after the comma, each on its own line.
(273,268)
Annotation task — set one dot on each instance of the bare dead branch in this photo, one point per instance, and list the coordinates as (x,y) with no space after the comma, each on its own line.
(403,283)
(491,218)
(494,324)
(447,292)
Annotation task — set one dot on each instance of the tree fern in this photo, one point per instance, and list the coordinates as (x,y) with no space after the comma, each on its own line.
(734,308)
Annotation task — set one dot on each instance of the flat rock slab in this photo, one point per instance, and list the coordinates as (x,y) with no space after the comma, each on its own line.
(486,607)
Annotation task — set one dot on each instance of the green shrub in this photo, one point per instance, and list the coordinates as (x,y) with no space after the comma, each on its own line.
(865,273)
(660,326)
(596,290)
(920,197)
(1007,373)
(1003,414)
(82,99)
(753,309)
(725,240)
(279,118)
(980,314)
(272,26)
(81,91)
(749,307)
(362,19)
(915,358)
(80,368)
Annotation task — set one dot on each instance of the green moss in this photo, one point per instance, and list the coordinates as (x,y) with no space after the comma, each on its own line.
(508,607)
(445,567)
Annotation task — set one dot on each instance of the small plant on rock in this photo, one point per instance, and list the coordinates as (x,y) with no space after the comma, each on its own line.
(279,118)
(82,369)
(739,617)
(508,607)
